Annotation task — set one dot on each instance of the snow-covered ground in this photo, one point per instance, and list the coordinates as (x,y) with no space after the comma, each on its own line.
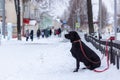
(46,59)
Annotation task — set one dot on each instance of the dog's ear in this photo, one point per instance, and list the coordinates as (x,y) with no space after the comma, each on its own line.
(74,35)
(77,36)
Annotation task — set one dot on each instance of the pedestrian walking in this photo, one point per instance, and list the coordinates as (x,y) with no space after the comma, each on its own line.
(59,32)
(31,35)
(27,34)
(38,33)
(42,33)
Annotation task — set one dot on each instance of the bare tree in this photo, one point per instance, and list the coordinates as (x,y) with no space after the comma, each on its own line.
(17,6)
(78,11)
(90,16)
(104,16)
(118,7)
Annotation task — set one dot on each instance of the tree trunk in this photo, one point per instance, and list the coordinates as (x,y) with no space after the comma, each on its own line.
(19,22)
(90,16)
(17,6)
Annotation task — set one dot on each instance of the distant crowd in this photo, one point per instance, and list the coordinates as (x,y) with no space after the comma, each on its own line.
(44,33)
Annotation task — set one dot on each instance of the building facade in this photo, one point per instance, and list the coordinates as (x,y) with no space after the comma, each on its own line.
(10,15)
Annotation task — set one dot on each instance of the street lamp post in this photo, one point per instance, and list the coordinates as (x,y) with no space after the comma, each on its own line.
(100,21)
(115,18)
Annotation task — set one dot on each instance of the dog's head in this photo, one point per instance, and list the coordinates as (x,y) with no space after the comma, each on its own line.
(72,36)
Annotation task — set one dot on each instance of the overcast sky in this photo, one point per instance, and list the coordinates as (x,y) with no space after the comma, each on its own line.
(108,3)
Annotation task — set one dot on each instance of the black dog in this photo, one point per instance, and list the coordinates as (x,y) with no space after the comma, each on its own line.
(90,59)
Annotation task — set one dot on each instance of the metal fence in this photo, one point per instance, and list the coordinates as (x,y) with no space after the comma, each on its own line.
(113,48)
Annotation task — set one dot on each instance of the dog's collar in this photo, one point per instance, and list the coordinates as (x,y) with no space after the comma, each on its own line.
(76,41)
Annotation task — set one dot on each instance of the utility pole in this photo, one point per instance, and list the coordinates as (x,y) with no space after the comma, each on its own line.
(3,18)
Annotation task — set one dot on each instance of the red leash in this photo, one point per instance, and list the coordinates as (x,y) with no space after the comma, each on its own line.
(98,61)
(107,59)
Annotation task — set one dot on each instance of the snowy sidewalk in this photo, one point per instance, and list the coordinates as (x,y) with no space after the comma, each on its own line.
(45,59)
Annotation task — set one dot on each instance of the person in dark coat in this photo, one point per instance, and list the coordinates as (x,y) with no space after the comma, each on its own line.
(38,33)
(27,34)
(46,33)
(42,33)
(50,32)
(59,32)
(31,35)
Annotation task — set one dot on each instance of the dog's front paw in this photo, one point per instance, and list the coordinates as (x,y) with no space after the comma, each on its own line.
(84,68)
(76,70)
